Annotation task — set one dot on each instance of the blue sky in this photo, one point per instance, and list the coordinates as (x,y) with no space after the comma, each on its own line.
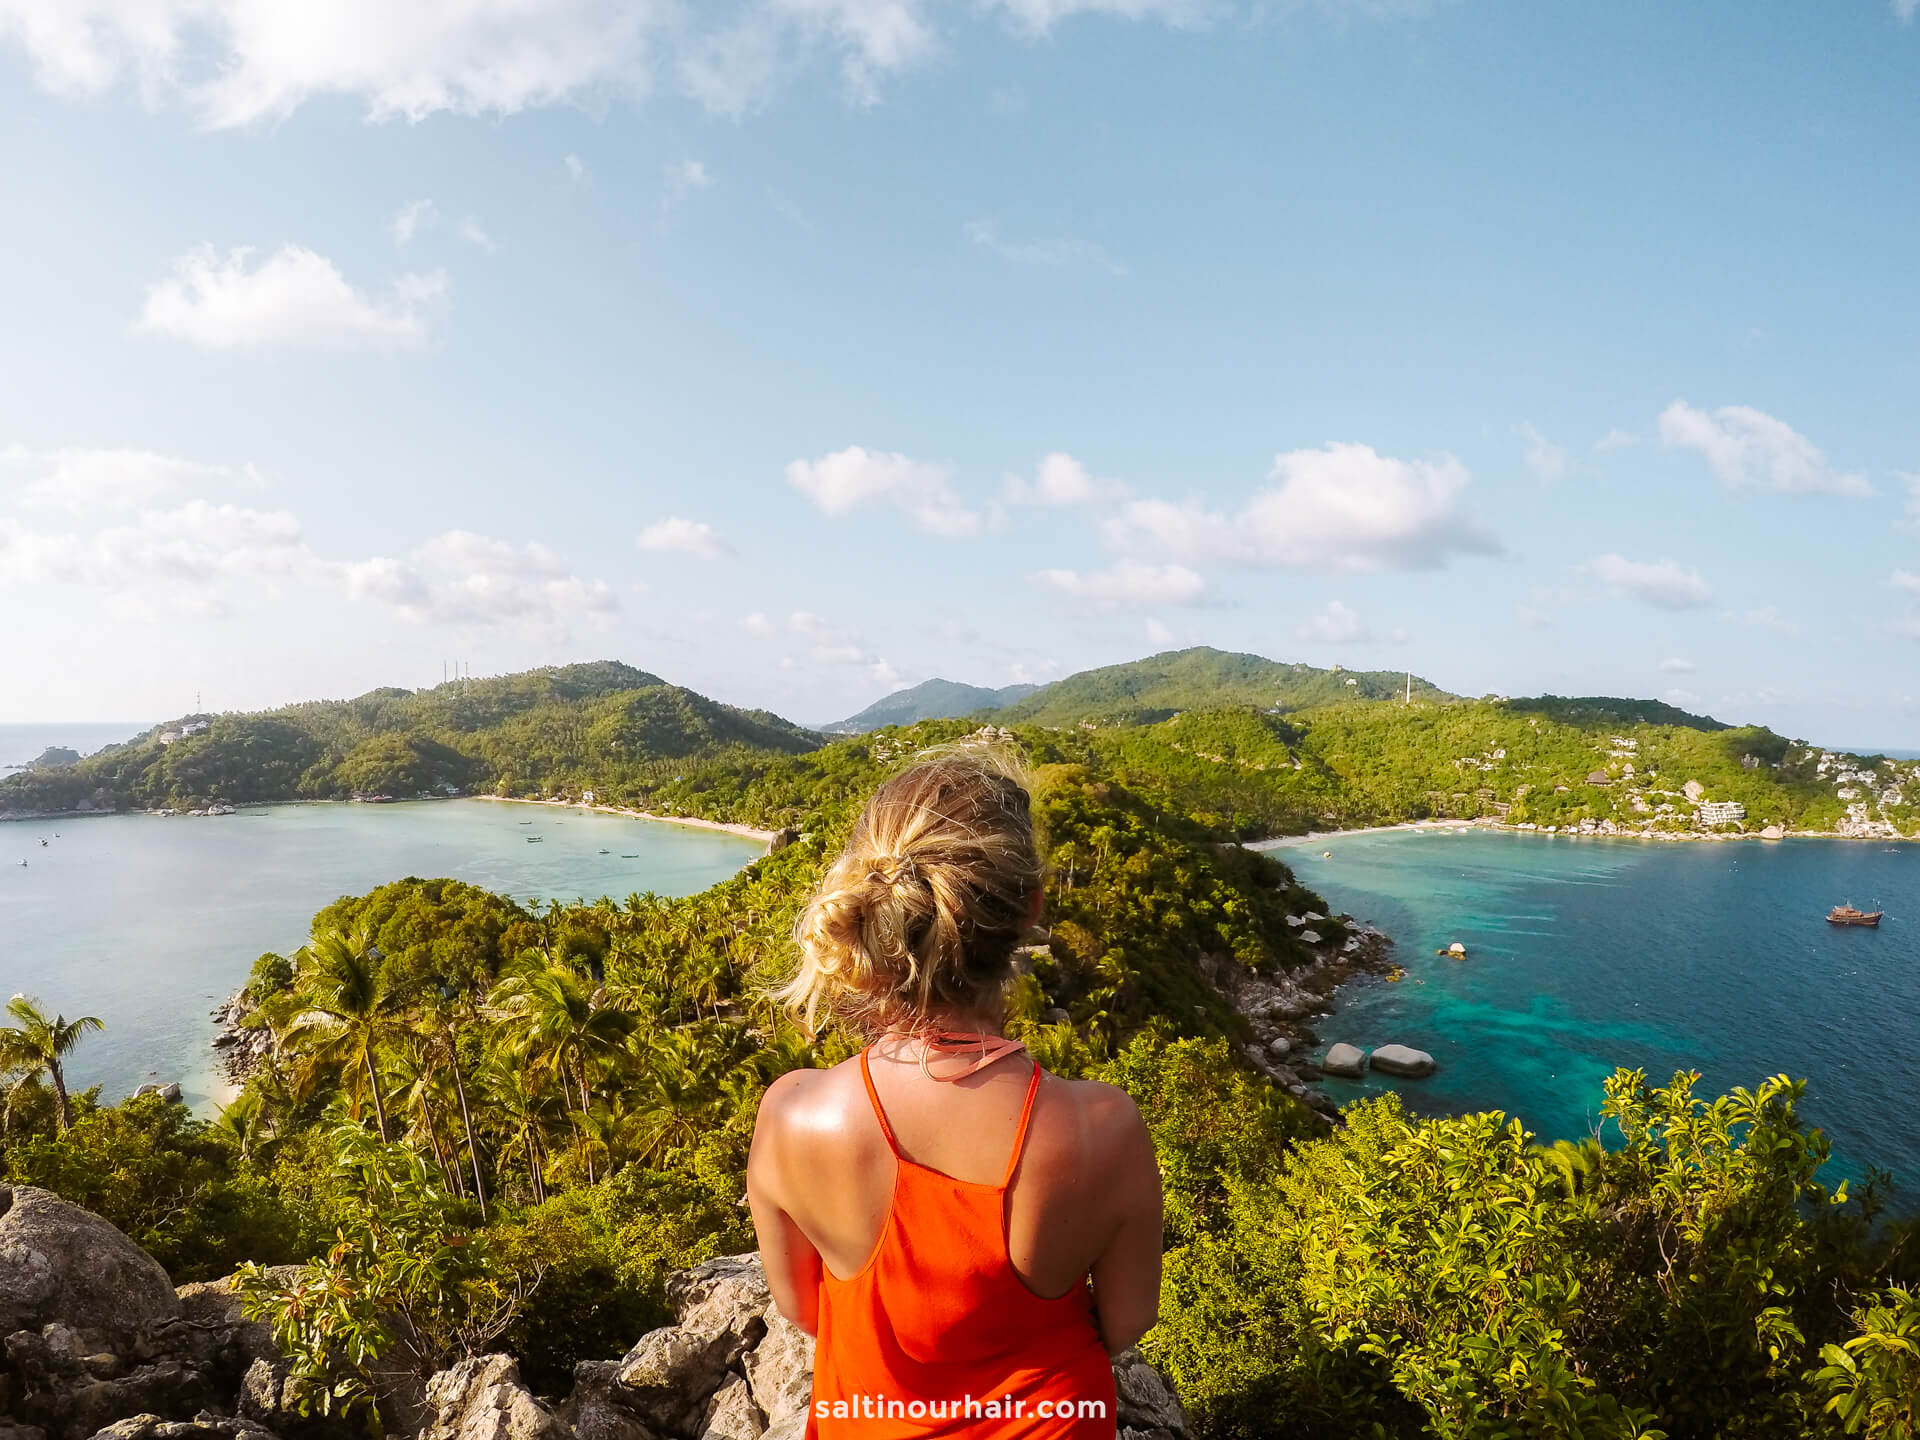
(800,349)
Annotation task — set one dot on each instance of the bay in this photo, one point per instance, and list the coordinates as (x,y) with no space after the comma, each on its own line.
(149,921)
(1587,954)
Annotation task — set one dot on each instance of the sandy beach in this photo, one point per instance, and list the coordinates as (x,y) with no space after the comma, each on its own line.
(746,832)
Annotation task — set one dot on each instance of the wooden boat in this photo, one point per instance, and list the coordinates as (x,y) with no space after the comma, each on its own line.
(1847,915)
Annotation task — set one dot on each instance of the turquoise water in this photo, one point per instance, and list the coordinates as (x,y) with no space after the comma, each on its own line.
(149,921)
(1584,955)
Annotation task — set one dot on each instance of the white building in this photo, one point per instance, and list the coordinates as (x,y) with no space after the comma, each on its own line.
(1721,812)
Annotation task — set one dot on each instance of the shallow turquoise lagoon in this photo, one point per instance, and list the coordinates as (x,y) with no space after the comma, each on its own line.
(149,921)
(1588,954)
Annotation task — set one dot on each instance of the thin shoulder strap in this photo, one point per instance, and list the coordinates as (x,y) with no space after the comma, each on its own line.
(1020,1135)
(880,1112)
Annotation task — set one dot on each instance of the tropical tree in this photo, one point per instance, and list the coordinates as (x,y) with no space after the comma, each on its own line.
(346,1012)
(568,1026)
(38,1043)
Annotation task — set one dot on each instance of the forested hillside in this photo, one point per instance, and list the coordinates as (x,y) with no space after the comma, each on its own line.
(603,720)
(929,700)
(480,1126)
(1154,688)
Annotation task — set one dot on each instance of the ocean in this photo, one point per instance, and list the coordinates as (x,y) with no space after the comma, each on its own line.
(150,921)
(20,744)
(1587,954)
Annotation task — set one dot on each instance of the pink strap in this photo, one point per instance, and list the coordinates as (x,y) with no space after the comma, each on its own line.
(957,1043)
(879,1110)
(1020,1135)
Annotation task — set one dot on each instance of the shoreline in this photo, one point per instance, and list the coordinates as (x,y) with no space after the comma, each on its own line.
(1669,837)
(745,832)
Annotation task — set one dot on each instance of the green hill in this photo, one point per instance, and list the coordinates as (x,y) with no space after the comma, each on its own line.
(563,727)
(1143,691)
(929,700)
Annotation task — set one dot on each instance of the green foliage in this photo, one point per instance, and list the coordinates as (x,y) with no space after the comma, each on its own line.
(1448,1277)
(177,1186)
(408,1271)
(1872,1379)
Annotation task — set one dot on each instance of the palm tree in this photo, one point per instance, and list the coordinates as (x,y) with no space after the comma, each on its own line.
(37,1044)
(567,1019)
(523,1108)
(346,1012)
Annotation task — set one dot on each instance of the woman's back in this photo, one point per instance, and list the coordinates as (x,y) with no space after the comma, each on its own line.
(957,1225)
(967,1239)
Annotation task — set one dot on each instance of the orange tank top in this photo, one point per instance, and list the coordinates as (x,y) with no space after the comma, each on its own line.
(937,1334)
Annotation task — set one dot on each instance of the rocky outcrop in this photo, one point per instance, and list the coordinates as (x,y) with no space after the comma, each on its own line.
(1277,1006)
(61,1265)
(1401,1060)
(242,1049)
(100,1347)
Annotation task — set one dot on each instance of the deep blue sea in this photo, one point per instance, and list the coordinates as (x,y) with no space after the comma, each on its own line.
(149,921)
(1587,954)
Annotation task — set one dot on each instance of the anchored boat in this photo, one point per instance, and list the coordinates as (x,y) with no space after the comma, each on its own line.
(1847,915)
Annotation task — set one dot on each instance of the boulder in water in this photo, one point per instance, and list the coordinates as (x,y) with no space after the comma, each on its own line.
(1345,1060)
(1402,1060)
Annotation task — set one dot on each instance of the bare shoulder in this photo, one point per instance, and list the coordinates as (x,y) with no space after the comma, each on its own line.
(807,1101)
(1105,1114)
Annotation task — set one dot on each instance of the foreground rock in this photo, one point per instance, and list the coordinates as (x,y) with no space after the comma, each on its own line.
(97,1345)
(63,1265)
(1348,1061)
(1402,1060)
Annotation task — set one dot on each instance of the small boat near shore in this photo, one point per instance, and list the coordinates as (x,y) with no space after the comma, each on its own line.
(534,839)
(1847,915)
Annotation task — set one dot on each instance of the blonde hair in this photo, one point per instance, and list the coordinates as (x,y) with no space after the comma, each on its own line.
(920,913)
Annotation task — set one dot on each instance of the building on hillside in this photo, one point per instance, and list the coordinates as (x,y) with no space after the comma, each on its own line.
(1721,812)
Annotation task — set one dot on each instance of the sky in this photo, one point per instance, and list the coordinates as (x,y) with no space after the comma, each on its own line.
(799,350)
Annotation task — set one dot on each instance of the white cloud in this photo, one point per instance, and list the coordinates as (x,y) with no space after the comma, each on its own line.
(1039,16)
(1546,460)
(1912,482)
(85,481)
(240,62)
(1616,439)
(1060,479)
(1903,10)
(475,234)
(1686,699)
(1040,672)
(885,674)
(1158,634)
(756,624)
(1338,624)
(577,170)
(986,236)
(1129,585)
(294,297)
(1766,617)
(830,645)
(1674,665)
(1343,508)
(1747,448)
(460,578)
(173,559)
(688,537)
(1906,580)
(856,476)
(411,220)
(1661,583)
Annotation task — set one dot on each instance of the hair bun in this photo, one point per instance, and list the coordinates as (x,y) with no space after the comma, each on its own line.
(919,915)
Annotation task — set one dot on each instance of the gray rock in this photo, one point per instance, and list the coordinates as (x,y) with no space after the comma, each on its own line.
(780,1369)
(1279,1047)
(483,1399)
(1402,1060)
(59,1263)
(727,1293)
(593,1412)
(1147,1402)
(794,1427)
(212,1309)
(1346,1060)
(732,1415)
(21,1432)
(204,1426)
